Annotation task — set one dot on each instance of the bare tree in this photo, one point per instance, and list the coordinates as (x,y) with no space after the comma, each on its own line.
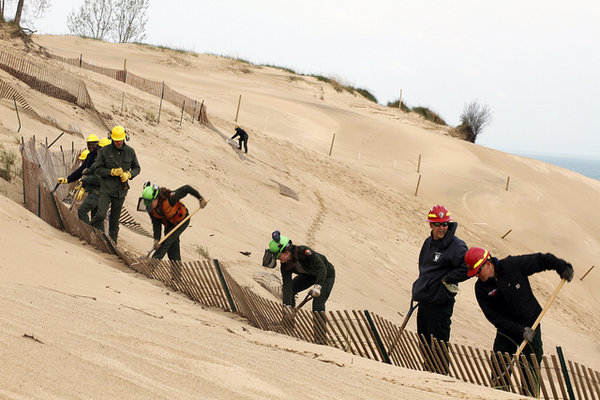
(38,6)
(93,19)
(473,119)
(131,20)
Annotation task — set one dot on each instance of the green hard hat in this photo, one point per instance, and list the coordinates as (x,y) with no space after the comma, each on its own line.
(149,193)
(278,246)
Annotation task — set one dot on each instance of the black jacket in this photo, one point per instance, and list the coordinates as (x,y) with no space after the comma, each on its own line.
(87,163)
(507,300)
(308,262)
(241,133)
(440,260)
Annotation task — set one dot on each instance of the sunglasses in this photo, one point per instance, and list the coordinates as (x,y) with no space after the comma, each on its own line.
(438,224)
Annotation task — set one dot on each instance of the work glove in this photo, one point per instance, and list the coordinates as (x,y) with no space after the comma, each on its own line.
(451,287)
(287,313)
(80,193)
(125,176)
(85,171)
(315,291)
(203,202)
(528,334)
(63,180)
(567,273)
(116,171)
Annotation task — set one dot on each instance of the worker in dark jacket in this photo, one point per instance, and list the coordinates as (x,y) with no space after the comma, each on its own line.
(87,161)
(166,209)
(90,183)
(441,268)
(116,164)
(504,294)
(243,138)
(312,270)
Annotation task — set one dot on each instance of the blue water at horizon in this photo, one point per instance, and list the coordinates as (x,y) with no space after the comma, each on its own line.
(587,166)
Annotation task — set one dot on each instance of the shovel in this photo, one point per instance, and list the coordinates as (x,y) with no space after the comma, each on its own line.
(173,230)
(539,318)
(412,308)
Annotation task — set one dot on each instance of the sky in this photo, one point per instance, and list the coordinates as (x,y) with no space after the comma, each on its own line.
(535,63)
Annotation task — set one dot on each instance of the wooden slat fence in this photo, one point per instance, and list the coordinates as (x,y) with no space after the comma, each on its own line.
(357,332)
(194,108)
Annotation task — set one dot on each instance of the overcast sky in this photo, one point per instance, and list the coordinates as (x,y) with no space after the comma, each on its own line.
(535,63)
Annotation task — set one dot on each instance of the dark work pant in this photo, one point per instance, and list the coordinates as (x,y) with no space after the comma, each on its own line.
(115,204)
(245,142)
(505,344)
(435,319)
(302,282)
(171,245)
(89,204)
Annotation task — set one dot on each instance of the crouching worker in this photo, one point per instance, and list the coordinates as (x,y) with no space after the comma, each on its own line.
(165,208)
(507,301)
(312,270)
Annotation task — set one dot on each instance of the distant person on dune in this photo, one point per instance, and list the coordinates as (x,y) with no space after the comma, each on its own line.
(243,138)
(506,299)
(441,268)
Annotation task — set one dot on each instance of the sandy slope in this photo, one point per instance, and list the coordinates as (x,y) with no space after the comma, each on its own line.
(359,210)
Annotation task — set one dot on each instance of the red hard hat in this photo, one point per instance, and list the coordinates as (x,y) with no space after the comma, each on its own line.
(438,214)
(475,258)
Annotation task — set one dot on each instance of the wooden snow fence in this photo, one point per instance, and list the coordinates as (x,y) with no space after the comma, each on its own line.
(194,108)
(360,333)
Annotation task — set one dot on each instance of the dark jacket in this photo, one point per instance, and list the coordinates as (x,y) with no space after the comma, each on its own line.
(241,133)
(87,163)
(110,157)
(175,197)
(308,262)
(440,260)
(507,300)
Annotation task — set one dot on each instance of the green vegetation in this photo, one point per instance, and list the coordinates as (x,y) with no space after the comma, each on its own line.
(203,252)
(8,159)
(429,115)
(425,112)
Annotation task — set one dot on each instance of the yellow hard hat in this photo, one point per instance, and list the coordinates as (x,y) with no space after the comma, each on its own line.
(104,141)
(118,133)
(84,154)
(92,138)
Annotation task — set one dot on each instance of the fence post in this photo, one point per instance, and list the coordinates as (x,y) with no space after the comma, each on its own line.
(23,170)
(225,287)
(122,102)
(18,117)
(377,338)
(419,165)
(162,94)
(181,119)
(563,366)
(332,140)
(194,112)
(62,225)
(39,202)
(238,108)
(418,183)
(507,181)
(400,101)
(54,141)
(80,59)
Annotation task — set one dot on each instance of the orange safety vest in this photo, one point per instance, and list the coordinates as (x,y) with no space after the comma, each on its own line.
(167,213)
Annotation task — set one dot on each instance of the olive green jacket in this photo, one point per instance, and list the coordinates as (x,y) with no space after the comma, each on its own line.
(308,262)
(110,157)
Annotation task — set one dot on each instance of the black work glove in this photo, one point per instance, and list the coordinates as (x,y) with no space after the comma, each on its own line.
(528,334)
(85,171)
(567,273)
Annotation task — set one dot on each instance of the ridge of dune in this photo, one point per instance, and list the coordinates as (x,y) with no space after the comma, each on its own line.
(360,212)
